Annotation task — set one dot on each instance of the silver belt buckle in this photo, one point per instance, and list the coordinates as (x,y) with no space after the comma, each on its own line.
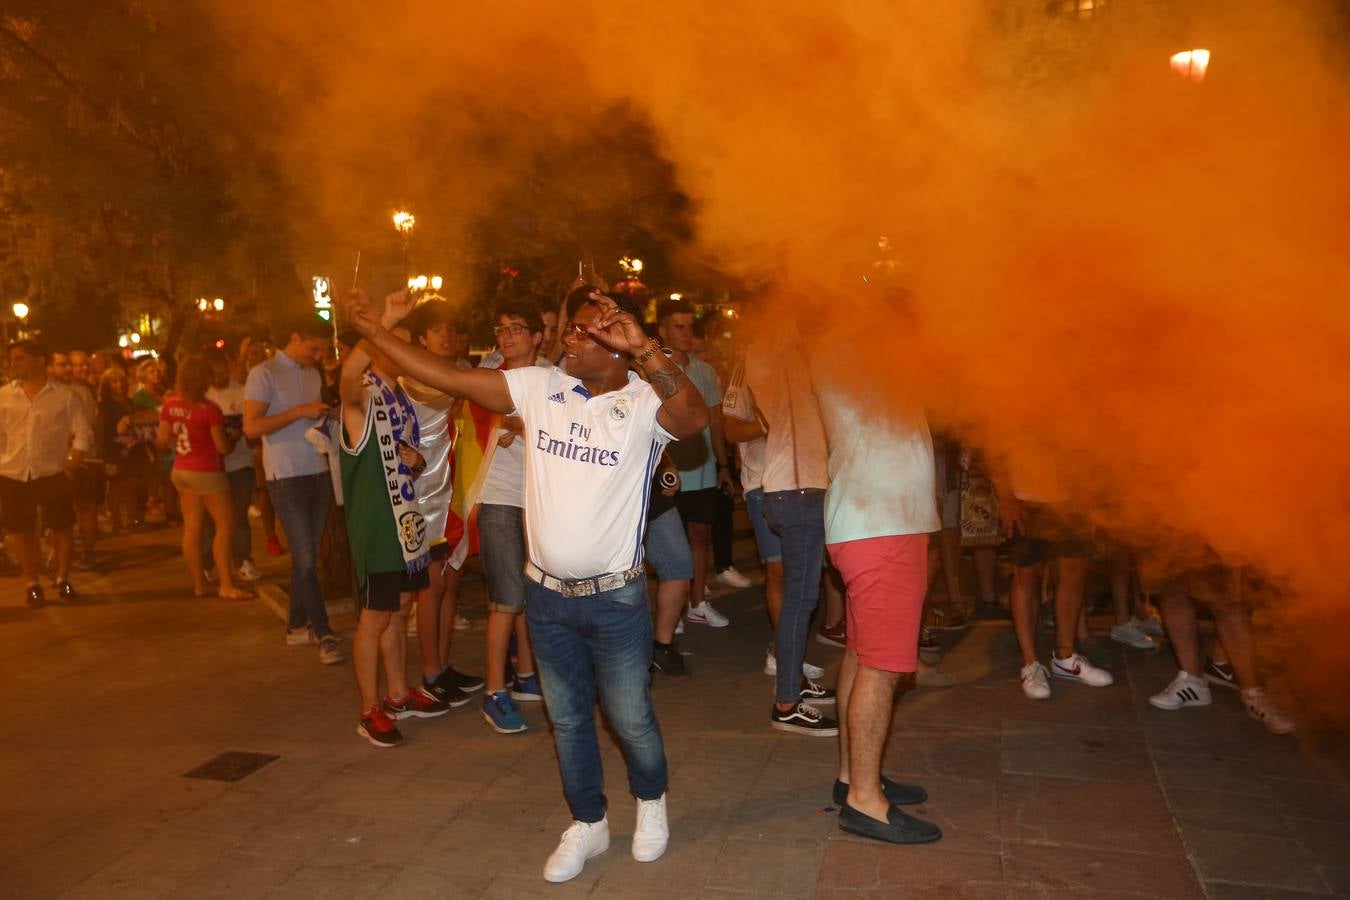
(584,588)
(610,582)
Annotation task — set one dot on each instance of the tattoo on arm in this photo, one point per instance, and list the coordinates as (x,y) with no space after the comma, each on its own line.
(666,381)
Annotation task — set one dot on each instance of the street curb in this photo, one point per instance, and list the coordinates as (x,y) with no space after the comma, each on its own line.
(274,599)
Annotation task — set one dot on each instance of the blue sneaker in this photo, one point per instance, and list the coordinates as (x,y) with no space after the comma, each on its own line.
(502,714)
(526,689)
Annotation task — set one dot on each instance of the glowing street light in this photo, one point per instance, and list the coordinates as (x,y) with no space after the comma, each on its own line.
(123,341)
(1191,64)
(218,304)
(20,310)
(404,222)
(135,337)
(422,282)
(677,296)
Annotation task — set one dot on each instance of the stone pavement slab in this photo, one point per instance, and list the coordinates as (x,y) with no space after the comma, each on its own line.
(1092,793)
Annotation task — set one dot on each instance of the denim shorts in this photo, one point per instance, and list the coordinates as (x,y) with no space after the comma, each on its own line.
(770,547)
(501,541)
(668,547)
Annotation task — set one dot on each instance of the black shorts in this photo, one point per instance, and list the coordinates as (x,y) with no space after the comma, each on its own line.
(440,552)
(697,506)
(1045,534)
(382,590)
(19,502)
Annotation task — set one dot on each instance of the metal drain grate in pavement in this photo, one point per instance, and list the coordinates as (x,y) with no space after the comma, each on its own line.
(231,766)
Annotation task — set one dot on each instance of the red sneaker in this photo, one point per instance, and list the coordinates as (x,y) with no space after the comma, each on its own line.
(832,636)
(378,729)
(274,547)
(417,704)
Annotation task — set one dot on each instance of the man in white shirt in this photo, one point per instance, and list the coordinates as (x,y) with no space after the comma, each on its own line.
(90,483)
(795,477)
(432,325)
(228,394)
(501,534)
(879,510)
(593,436)
(44,436)
(702,460)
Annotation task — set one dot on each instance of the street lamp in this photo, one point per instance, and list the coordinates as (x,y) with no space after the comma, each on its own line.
(21,311)
(631,266)
(423,282)
(404,222)
(219,304)
(1191,64)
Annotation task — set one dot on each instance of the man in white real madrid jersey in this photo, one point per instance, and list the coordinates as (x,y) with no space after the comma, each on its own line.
(593,437)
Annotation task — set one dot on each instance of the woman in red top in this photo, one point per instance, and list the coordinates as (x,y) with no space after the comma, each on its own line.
(195,428)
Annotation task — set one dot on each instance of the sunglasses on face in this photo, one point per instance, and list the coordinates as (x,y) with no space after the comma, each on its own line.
(512,329)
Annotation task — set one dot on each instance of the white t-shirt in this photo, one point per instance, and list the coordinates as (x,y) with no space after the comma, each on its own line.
(795,454)
(588,469)
(504,484)
(738,401)
(230,399)
(882,473)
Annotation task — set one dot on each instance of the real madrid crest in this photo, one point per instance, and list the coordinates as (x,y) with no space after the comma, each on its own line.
(619,411)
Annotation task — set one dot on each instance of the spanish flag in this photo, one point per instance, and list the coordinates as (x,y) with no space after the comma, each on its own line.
(477,430)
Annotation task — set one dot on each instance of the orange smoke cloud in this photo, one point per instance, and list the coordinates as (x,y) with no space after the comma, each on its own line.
(1116,272)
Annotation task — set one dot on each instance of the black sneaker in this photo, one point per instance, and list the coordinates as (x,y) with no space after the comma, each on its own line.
(927,642)
(897,792)
(35,597)
(466,683)
(670,661)
(1220,674)
(815,692)
(448,694)
(376,728)
(803,719)
(65,591)
(416,704)
(900,827)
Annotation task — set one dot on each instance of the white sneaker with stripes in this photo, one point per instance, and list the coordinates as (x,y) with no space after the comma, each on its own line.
(1185,690)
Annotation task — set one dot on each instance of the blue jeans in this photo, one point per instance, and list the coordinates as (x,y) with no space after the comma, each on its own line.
(798,518)
(668,547)
(301,503)
(604,641)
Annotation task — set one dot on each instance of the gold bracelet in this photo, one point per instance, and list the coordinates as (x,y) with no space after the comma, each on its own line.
(652,348)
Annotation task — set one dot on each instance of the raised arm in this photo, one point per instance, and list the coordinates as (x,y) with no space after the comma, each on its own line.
(486,387)
(683,412)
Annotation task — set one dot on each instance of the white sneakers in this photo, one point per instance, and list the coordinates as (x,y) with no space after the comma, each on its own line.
(1036,681)
(732,578)
(1185,690)
(1077,668)
(580,842)
(587,840)
(1261,708)
(704,614)
(652,832)
(1132,635)
(815,673)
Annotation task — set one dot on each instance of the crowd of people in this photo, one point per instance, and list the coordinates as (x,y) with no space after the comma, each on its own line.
(582,450)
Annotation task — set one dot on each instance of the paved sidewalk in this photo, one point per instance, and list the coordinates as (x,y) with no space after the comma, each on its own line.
(112,700)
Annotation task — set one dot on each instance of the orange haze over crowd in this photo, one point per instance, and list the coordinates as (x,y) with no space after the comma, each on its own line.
(1130,278)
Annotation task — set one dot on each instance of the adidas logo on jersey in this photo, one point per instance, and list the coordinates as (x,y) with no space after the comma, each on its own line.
(557,398)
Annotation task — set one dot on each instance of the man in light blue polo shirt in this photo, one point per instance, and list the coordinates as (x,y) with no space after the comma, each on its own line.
(281,402)
(702,460)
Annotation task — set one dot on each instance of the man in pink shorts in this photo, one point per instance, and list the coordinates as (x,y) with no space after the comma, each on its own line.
(879,509)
